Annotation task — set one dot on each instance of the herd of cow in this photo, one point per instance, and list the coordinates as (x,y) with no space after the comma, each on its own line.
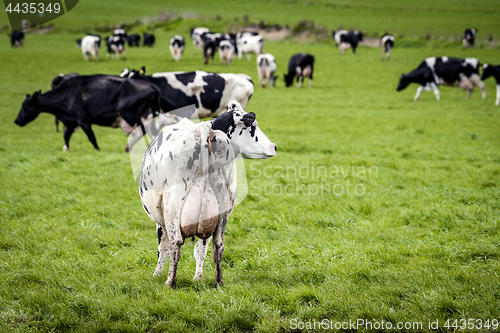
(188,175)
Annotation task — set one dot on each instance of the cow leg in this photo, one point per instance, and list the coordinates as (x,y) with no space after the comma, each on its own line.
(67,134)
(248,56)
(435,89)
(476,80)
(175,240)
(310,83)
(57,124)
(200,253)
(419,91)
(163,253)
(218,251)
(90,134)
(498,95)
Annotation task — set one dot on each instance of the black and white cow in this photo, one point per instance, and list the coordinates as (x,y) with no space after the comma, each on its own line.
(188,184)
(210,42)
(301,65)
(386,43)
(16,38)
(490,70)
(90,46)
(196,35)
(148,39)
(266,67)
(115,47)
(346,39)
(134,40)
(227,51)
(209,92)
(177,46)
(468,38)
(463,73)
(95,99)
(248,44)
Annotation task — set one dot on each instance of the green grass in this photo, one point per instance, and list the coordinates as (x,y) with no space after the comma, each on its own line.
(419,242)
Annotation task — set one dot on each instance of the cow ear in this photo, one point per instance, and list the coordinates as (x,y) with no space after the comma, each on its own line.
(248,119)
(142,70)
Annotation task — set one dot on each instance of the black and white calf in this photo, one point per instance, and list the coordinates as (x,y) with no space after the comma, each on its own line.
(148,40)
(16,38)
(347,39)
(386,43)
(463,73)
(301,65)
(248,44)
(490,70)
(209,92)
(177,46)
(468,38)
(134,40)
(266,67)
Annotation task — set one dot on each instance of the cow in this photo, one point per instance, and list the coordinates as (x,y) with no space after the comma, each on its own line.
(463,73)
(347,39)
(115,47)
(250,44)
(134,40)
(177,46)
(188,184)
(386,43)
(266,67)
(209,92)
(468,38)
(490,70)
(227,51)
(16,38)
(95,99)
(301,65)
(210,42)
(196,35)
(90,47)
(148,40)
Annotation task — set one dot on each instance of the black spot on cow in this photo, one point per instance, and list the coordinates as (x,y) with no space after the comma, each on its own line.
(151,182)
(183,198)
(256,138)
(186,78)
(161,157)
(252,131)
(144,185)
(196,155)
(170,155)
(168,137)
(211,97)
(219,187)
(157,167)
(160,140)
(185,184)
(145,208)
(141,190)
(148,174)
(159,232)
(175,129)
(227,154)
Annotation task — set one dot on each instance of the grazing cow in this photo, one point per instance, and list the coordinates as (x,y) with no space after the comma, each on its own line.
(134,40)
(266,66)
(188,184)
(148,40)
(346,39)
(115,47)
(95,99)
(468,38)
(250,44)
(226,51)
(386,43)
(209,92)
(177,46)
(16,38)
(301,65)
(196,35)
(90,47)
(490,70)
(463,73)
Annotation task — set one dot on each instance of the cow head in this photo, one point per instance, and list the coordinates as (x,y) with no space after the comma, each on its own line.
(289,79)
(403,82)
(29,110)
(243,133)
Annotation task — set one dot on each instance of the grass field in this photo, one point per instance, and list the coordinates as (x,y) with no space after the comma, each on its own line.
(376,207)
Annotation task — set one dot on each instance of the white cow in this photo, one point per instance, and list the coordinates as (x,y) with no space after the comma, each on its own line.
(90,47)
(226,52)
(386,43)
(266,66)
(250,44)
(177,47)
(188,183)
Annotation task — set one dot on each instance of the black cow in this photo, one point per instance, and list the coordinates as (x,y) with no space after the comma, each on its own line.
(148,39)
(463,73)
(386,43)
(491,70)
(95,99)
(301,65)
(346,39)
(468,38)
(134,40)
(209,92)
(16,38)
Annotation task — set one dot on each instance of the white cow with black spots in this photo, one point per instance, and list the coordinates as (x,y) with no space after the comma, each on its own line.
(266,67)
(188,183)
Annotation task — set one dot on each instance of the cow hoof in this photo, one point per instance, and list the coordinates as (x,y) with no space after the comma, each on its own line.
(65,148)
(127,149)
(157,274)
(197,278)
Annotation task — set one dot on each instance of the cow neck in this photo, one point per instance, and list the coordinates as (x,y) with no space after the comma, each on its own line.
(50,103)
(224,122)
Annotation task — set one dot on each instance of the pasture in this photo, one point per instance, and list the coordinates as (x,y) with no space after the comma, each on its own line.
(376,207)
